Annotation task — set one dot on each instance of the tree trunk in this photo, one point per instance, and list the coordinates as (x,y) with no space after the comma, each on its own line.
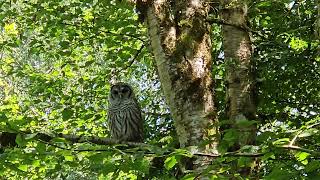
(240,92)
(181,45)
(241,100)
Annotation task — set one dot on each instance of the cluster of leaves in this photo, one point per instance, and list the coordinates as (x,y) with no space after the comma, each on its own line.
(58,59)
(288,69)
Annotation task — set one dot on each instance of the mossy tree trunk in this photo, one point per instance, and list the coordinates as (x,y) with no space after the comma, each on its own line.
(181,45)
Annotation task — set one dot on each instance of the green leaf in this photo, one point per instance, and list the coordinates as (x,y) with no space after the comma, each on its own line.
(183,152)
(298,44)
(188,177)
(36,163)
(264,4)
(41,148)
(30,136)
(313,166)
(23,167)
(243,123)
(20,140)
(59,140)
(244,161)
(68,158)
(301,156)
(170,162)
(67,114)
(269,155)
(281,141)
(278,173)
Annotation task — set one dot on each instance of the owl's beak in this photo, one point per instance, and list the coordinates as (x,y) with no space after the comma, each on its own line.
(120,95)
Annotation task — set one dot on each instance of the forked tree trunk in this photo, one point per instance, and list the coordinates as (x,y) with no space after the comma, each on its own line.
(241,100)
(181,45)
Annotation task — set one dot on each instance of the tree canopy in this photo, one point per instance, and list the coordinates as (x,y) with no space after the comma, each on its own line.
(58,60)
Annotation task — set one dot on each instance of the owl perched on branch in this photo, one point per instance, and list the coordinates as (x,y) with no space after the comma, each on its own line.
(124,116)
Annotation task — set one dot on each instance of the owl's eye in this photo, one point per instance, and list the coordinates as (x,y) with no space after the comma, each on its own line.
(115,92)
(124,90)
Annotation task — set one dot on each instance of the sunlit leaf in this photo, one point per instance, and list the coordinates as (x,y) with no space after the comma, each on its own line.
(170,162)
(11,29)
(281,141)
(68,158)
(301,156)
(23,167)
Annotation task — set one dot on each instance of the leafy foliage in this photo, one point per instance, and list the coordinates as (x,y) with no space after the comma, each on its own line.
(59,57)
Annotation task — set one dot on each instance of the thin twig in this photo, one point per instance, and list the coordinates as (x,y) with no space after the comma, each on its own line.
(244,28)
(131,61)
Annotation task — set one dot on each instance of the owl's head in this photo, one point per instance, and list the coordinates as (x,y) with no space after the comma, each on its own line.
(120,91)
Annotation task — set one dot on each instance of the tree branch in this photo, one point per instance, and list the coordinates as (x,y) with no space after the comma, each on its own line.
(240,154)
(297,148)
(133,59)
(8,139)
(244,28)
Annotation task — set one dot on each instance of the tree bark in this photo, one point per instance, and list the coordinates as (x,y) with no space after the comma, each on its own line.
(241,100)
(181,45)
(240,92)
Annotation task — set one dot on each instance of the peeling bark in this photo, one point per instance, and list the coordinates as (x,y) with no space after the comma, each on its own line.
(180,42)
(241,100)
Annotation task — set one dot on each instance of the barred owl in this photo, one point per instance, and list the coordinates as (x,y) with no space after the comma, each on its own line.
(124,116)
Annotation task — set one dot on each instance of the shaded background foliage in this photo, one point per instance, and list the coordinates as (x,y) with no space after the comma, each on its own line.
(58,59)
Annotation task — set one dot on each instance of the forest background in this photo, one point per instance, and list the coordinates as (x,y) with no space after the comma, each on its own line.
(228,89)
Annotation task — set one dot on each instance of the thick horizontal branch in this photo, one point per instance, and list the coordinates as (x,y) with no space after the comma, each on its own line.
(8,139)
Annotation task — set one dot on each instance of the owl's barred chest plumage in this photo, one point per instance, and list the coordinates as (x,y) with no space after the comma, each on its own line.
(124,115)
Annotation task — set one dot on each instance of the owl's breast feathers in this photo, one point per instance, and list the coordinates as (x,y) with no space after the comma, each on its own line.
(123,105)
